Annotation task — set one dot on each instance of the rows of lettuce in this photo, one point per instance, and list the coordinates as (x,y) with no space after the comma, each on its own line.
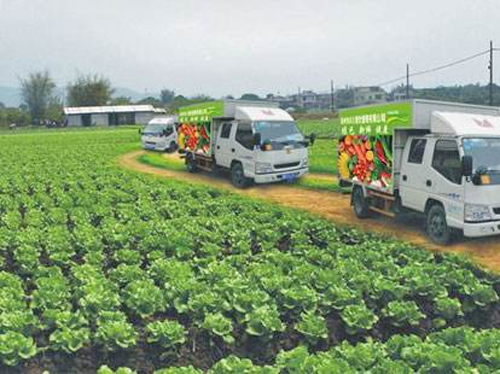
(454,350)
(92,256)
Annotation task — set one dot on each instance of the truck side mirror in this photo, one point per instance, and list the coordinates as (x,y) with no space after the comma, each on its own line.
(467,166)
(312,138)
(257,138)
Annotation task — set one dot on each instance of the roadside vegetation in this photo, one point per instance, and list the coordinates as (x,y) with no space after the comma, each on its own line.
(102,268)
(323,128)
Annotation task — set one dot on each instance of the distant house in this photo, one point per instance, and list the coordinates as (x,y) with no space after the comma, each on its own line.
(284,102)
(369,95)
(111,115)
(308,100)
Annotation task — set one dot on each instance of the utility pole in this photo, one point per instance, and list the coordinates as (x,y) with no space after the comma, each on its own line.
(490,67)
(299,97)
(332,96)
(407,81)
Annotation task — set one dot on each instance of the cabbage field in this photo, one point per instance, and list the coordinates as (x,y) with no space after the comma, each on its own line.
(106,270)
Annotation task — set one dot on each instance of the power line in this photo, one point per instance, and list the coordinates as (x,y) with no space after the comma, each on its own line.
(441,67)
(450,64)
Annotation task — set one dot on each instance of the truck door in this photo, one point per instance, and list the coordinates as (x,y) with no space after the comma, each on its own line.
(447,181)
(223,145)
(169,136)
(243,148)
(414,187)
(160,138)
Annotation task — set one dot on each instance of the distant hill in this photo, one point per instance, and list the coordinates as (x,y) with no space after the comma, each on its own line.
(11,96)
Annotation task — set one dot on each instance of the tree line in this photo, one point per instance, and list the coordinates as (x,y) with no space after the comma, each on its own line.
(41,103)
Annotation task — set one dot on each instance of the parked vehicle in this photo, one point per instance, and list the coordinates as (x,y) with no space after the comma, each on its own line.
(256,141)
(436,158)
(160,134)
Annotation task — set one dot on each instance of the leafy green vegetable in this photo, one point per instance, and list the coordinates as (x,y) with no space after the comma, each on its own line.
(70,340)
(105,369)
(264,321)
(143,297)
(219,325)
(114,331)
(403,313)
(15,347)
(233,365)
(448,308)
(312,326)
(358,318)
(168,334)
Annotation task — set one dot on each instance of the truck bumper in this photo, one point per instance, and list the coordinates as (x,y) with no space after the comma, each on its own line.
(476,230)
(280,177)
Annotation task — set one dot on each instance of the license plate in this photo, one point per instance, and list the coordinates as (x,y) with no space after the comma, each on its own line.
(290,177)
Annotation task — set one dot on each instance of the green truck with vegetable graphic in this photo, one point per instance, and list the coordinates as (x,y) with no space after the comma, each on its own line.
(256,141)
(439,159)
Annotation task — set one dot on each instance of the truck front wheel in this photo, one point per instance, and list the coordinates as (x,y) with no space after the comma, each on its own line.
(437,227)
(238,176)
(172,147)
(360,203)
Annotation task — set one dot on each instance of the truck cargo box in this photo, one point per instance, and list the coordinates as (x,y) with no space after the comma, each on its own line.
(195,121)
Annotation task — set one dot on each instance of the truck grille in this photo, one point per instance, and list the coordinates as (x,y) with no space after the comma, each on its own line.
(286,166)
(496,210)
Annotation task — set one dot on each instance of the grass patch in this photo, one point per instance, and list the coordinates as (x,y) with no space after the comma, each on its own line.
(322,128)
(159,161)
(323,157)
(317,184)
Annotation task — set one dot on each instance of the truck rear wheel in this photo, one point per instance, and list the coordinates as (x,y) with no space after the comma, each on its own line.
(191,163)
(360,203)
(436,226)
(238,176)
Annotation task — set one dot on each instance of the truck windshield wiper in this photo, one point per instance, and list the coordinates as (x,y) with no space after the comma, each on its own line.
(284,142)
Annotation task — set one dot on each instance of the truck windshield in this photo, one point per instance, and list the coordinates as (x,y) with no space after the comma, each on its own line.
(153,129)
(285,132)
(485,153)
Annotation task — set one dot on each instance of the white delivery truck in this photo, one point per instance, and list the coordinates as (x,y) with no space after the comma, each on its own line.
(256,141)
(436,158)
(160,134)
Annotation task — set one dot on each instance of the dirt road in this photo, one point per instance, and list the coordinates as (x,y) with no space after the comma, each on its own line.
(334,207)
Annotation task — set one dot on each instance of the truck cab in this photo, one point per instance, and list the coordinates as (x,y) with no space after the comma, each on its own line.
(160,134)
(262,145)
(452,175)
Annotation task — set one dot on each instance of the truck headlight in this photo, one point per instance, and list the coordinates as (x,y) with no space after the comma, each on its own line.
(477,213)
(263,167)
(305,162)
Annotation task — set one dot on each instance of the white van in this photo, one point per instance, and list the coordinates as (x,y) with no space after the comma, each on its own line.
(160,134)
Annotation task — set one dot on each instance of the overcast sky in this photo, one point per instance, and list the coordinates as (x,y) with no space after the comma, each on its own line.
(222,47)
